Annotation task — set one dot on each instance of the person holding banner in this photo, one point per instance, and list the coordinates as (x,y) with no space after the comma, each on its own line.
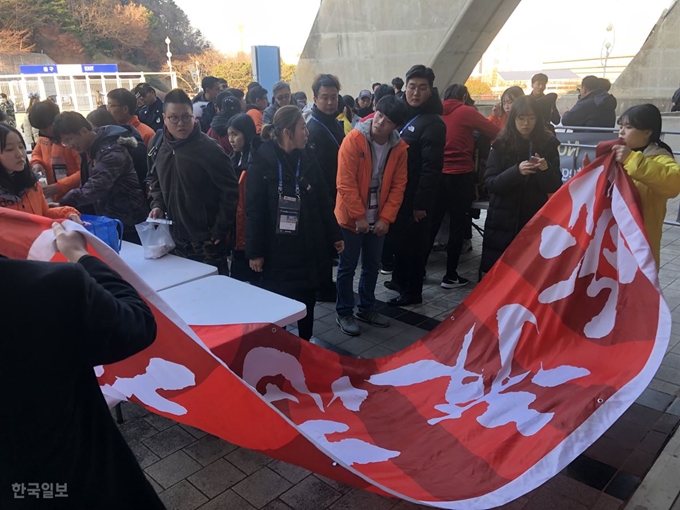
(651,165)
(55,425)
(522,170)
(19,187)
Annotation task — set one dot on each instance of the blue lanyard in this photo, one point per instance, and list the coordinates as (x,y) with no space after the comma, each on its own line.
(297,174)
(407,125)
(531,150)
(327,130)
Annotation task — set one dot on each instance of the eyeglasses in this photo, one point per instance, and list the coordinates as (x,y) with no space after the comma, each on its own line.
(283,97)
(68,142)
(174,119)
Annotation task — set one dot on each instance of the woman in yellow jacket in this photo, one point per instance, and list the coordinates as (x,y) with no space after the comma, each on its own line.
(651,165)
(19,188)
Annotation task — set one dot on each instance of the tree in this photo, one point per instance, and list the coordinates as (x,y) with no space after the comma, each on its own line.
(236,69)
(109,26)
(287,72)
(15,41)
(477,87)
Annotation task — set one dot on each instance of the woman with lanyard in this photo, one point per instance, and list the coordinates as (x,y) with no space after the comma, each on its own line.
(523,169)
(290,222)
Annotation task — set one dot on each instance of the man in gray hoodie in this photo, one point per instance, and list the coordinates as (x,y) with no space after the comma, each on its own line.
(371,180)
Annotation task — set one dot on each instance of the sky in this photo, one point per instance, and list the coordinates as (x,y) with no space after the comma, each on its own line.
(537,32)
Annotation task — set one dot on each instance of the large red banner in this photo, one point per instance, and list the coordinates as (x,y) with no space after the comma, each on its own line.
(545,354)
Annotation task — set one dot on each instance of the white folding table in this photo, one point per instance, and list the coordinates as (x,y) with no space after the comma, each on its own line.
(224,300)
(165,272)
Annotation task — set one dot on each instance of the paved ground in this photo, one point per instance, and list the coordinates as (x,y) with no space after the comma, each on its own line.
(191,469)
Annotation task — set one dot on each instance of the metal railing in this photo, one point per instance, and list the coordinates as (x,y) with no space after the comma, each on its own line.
(580,129)
(77,92)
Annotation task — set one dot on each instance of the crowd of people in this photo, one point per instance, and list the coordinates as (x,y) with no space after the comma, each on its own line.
(275,190)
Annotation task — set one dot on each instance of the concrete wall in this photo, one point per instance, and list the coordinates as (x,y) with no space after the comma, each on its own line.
(367,41)
(654,74)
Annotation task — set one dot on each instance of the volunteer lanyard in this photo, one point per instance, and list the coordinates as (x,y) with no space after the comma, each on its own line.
(407,125)
(326,128)
(297,174)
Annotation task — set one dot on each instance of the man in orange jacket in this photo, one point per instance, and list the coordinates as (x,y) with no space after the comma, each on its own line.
(122,104)
(371,180)
(60,165)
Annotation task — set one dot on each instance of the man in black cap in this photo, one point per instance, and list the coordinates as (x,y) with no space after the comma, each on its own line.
(364,103)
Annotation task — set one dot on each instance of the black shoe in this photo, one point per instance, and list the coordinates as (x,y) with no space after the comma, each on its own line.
(453,283)
(387,268)
(390,284)
(405,300)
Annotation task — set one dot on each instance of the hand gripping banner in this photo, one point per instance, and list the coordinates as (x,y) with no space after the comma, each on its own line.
(555,343)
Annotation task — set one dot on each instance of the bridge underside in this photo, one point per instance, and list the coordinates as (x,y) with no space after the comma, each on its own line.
(363,42)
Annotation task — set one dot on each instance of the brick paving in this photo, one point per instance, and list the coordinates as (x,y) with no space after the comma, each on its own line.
(193,470)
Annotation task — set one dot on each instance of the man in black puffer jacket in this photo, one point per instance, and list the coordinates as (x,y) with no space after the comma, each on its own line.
(596,107)
(425,134)
(326,134)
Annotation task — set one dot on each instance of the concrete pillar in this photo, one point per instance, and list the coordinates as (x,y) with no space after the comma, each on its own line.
(364,42)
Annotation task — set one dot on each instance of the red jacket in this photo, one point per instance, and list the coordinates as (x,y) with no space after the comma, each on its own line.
(461,122)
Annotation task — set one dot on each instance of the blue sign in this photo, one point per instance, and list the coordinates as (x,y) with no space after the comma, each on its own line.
(47,69)
(100,68)
(266,66)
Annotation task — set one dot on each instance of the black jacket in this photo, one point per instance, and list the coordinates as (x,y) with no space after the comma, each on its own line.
(152,115)
(548,109)
(207,117)
(55,425)
(138,155)
(326,134)
(270,111)
(195,185)
(299,260)
(676,101)
(111,184)
(594,110)
(426,138)
(515,198)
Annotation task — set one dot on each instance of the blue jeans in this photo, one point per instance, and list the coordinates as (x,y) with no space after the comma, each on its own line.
(370,247)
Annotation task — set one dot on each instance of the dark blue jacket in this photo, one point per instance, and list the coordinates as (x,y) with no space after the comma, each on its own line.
(594,110)
(152,115)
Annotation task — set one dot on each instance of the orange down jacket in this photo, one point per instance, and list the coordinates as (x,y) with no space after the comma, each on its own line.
(354,177)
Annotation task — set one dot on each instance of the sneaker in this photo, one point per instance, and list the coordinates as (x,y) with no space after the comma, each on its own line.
(348,325)
(373,318)
(467,246)
(439,247)
(452,283)
(387,268)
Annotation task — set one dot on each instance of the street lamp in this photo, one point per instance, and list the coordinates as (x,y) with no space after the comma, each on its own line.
(607,48)
(169,54)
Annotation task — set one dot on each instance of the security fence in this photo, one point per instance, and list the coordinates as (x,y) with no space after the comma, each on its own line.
(77,92)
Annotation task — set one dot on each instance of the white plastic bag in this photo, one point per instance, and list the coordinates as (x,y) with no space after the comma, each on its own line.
(156,238)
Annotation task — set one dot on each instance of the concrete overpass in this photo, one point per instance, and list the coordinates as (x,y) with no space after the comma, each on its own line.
(654,74)
(367,41)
